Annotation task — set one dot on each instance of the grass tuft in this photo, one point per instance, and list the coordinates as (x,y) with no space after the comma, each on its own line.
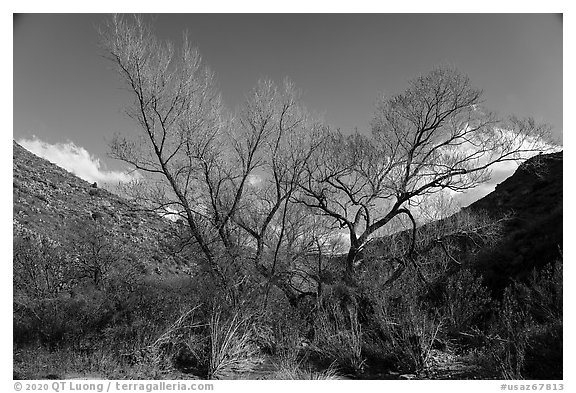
(232,349)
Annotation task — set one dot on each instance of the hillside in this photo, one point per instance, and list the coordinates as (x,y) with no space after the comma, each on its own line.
(529,201)
(533,236)
(532,192)
(50,202)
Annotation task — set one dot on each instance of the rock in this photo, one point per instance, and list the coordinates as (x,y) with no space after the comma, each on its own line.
(97,215)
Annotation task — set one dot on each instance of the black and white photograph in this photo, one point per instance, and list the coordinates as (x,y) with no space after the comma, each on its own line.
(287,196)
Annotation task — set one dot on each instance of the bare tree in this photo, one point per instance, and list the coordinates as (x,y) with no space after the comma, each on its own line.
(229,178)
(197,163)
(435,136)
(41,269)
(177,107)
(232,180)
(289,137)
(96,253)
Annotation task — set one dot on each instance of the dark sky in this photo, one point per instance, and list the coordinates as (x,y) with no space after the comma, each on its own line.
(64,91)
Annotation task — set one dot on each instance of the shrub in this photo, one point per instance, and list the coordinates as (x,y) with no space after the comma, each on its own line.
(62,319)
(543,358)
(181,345)
(338,335)
(411,332)
(525,335)
(406,323)
(531,325)
(544,293)
(509,342)
(466,302)
(41,269)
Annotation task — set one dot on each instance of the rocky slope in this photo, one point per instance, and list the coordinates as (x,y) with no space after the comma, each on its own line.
(48,201)
(533,236)
(530,204)
(532,192)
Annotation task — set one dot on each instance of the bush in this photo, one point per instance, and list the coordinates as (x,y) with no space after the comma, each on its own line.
(181,345)
(411,331)
(514,325)
(466,302)
(544,293)
(545,350)
(526,336)
(338,336)
(62,319)
(41,269)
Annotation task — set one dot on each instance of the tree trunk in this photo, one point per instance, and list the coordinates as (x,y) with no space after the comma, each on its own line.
(349,274)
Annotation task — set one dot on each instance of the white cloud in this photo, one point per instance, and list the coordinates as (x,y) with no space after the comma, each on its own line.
(171,214)
(254,180)
(500,171)
(77,160)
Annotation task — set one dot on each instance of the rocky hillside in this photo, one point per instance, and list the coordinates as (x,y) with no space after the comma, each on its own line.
(532,197)
(532,192)
(49,201)
(528,203)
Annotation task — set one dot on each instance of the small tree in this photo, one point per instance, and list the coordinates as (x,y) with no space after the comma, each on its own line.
(95,253)
(435,136)
(40,267)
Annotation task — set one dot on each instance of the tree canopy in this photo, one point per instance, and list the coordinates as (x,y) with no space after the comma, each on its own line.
(242,182)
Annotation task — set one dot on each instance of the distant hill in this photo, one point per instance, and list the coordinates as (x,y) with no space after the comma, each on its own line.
(49,202)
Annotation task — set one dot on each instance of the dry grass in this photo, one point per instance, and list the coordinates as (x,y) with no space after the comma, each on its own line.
(232,349)
(411,333)
(339,337)
(295,371)
(182,335)
(40,363)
